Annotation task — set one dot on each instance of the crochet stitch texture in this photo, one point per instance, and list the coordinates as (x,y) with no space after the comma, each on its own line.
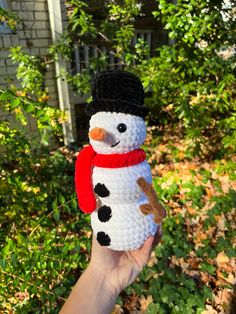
(114,165)
(117,91)
(86,161)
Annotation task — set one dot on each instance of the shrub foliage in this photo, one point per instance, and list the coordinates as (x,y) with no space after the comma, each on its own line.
(45,240)
(191,81)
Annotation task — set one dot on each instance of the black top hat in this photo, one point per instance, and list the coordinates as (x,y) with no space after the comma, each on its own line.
(117,91)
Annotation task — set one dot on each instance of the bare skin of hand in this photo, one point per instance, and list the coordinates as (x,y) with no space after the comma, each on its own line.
(153,207)
(107,274)
(121,268)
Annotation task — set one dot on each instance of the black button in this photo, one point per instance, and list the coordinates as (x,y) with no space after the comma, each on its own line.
(103,238)
(101,190)
(104,213)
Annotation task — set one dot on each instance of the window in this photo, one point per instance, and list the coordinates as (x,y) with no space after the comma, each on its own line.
(4,29)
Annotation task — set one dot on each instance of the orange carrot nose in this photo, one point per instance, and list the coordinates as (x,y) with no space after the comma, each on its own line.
(97,134)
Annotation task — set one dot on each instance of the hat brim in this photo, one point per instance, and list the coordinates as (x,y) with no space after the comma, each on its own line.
(112,105)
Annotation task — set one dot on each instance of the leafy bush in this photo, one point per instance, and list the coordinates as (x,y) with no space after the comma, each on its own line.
(43,235)
(10,18)
(28,104)
(45,240)
(190,82)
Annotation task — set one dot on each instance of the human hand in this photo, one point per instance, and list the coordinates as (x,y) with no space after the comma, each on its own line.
(107,274)
(121,268)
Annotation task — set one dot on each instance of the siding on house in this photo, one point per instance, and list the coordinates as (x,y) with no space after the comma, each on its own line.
(34,35)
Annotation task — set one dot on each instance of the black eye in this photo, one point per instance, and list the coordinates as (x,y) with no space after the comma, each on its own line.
(121,127)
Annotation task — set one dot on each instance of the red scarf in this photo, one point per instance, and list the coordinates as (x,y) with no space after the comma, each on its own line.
(86,160)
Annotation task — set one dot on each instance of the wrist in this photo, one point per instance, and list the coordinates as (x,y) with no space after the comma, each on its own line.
(91,294)
(103,279)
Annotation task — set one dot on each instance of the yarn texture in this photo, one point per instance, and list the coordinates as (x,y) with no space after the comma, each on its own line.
(130,140)
(127,227)
(117,91)
(112,177)
(86,161)
(83,180)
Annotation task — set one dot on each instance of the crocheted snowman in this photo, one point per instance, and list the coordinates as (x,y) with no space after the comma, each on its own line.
(112,177)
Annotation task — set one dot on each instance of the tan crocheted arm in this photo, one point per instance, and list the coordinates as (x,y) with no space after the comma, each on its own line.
(153,207)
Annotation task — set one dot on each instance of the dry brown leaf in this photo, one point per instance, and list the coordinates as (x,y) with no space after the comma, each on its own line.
(117,310)
(192,254)
(220,282)
(181,155)
(177,210)
(183,264)
(132,303)
(219,274)
(231,279)
(224,263)
(191,211)
(223,280)
(225,183)
(221,259)
(227,268)
(194,262)
(21,296)
(144,302)
(192,273)
(174,260)
(162,148)
(209,310)
(210,231)
(200,237)
(152,260)
(232,263)
(221,222)
(88,233)
(205,277)
(209,192)
(223,297)
(180,262)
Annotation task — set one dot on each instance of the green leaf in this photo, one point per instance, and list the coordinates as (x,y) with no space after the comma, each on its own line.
(3,263)
(74,204)
(55,204)
(15,103)
(208,268)
(61,199)
(56,215)
(29,107)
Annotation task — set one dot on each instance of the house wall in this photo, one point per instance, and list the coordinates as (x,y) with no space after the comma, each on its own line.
(34,35)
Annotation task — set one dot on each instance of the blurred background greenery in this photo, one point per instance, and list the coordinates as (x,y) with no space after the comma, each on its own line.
(190,90)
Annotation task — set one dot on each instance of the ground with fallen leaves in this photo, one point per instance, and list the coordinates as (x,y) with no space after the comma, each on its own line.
(46,240)
(193,269)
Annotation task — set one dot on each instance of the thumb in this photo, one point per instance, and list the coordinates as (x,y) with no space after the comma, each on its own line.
(145,251)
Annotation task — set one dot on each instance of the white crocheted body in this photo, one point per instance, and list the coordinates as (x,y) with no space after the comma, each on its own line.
(118,222)
(127,227)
